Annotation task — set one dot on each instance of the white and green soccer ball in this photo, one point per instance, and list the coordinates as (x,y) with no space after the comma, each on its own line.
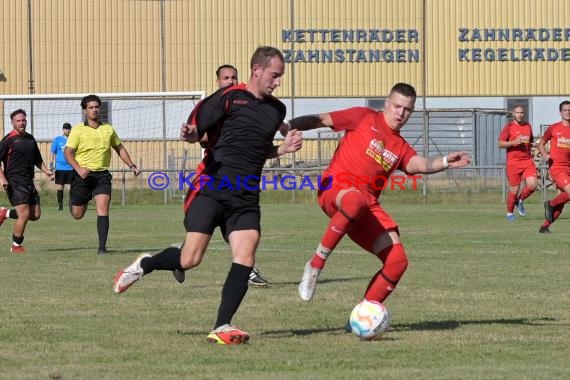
(369,319)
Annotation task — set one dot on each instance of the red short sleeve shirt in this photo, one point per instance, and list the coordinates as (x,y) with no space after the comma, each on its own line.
(369,151)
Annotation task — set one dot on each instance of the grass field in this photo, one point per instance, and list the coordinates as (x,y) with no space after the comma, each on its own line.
(482,299)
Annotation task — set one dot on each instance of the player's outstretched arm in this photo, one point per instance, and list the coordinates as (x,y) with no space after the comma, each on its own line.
(422,165)
(306,123)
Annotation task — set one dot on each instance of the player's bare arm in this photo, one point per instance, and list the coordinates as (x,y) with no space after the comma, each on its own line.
(422,165)
(293,142)
(510,143)
(69,154)
(126,158)
(189,133)
(541,146)
(3,180)
(47,171)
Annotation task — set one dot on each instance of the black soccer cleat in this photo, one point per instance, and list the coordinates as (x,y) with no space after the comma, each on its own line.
(543,230)
(548,212)
(179,275)
(255,278)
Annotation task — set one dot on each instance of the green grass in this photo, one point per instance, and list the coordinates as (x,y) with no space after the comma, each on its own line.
(482,299)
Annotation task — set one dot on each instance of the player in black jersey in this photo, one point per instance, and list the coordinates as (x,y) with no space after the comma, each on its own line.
(19,154)
(226,75)
(241,122)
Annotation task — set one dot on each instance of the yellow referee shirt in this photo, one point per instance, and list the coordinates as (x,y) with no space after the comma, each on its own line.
(93,145)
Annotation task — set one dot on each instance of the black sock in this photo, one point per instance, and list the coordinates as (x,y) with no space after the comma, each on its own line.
(169,259)
(60,197)
(18,239)
(103,231)
(12,214)
(233,292)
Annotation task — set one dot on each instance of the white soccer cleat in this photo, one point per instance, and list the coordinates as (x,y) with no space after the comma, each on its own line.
(131,274)
(308,282)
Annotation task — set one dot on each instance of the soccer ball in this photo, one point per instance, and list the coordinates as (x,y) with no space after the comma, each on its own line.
(369,319)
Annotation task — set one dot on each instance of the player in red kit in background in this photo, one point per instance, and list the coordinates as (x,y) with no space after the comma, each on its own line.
(558,160)
(516,137)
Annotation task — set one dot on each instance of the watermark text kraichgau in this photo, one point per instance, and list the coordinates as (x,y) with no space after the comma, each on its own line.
(341,181)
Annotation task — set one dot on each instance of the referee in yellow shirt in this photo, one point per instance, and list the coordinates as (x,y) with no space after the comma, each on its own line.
(88,151)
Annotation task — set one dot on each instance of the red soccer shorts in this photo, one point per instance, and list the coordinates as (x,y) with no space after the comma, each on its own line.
(560,177)
(373,223)
(518,171)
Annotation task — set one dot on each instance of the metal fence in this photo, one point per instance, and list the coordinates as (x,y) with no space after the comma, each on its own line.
(432,132)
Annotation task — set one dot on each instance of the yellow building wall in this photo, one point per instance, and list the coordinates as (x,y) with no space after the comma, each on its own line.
(86,46)
(453,70)
(228,31)
(14,62)
(81,46)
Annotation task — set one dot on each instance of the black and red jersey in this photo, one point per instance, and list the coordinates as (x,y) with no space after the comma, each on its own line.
(19,154)
(241,129)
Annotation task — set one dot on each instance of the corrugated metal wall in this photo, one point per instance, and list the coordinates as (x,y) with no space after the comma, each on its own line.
(81,46)
(447,75)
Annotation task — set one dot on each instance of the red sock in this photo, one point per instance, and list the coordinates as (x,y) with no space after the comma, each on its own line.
(555,214)
(560,199)
(511,201)
(557,211)
(525,193)
(385,280)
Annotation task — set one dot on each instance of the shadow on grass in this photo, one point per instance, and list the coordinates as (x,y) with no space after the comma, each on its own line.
(452,325)
(325,281)
(422,326)
(109,251)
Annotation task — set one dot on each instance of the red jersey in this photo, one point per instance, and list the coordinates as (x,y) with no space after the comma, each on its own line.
(559,136)
(369,151)
(511,132)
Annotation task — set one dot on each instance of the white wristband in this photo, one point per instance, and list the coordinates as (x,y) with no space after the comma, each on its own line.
(445,163)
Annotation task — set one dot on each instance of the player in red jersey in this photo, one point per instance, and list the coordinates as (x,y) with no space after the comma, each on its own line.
(516,137)
(369,152)
(558,160)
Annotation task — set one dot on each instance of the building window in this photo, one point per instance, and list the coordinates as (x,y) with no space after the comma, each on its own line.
(376,103)
(105,112)
(512,102)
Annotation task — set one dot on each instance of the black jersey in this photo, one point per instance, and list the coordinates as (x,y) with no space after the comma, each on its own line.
(19,153)
(241,129)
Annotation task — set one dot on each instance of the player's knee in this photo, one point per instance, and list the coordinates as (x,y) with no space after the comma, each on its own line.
(531,182)
(189,261)
(353,204)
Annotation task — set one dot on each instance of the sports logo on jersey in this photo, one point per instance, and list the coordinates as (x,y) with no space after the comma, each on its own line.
(380,154)
(524,139)
(563,142)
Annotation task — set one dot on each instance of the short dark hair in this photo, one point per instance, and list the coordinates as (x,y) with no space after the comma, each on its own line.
(66,126)
(563,104)
(19,110)
(404,89)
(264,54)
(224,67)
(89,98)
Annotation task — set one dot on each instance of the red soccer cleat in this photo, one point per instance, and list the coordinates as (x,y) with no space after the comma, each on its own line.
(3,214)
(17,249)
(227,334)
